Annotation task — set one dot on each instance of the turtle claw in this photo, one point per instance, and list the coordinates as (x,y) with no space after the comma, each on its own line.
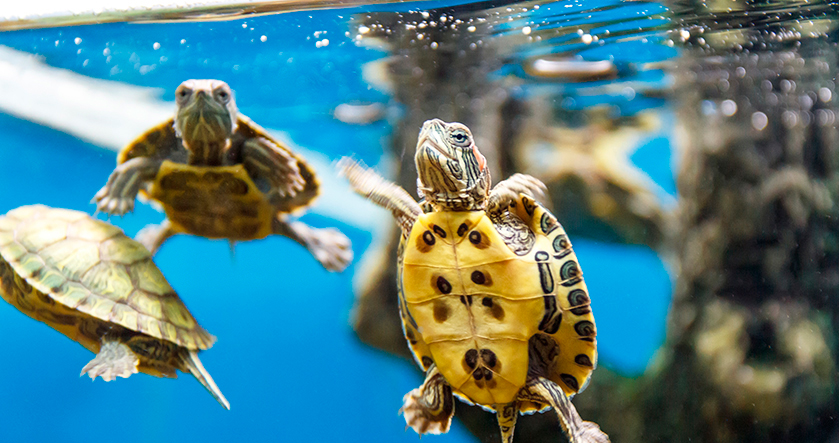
(331,248)
(508,191)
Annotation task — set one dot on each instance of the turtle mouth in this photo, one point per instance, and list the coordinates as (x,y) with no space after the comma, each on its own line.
(432,138)
(204,119)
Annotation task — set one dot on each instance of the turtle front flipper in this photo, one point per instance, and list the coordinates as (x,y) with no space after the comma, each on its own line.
(263,158)
(381,192)
(429,408)
(540,390)
(329,246)
(118,195)
(115,359)
(509,190)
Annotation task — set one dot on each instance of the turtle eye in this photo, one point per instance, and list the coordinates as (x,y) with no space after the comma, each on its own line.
(182,93)
(223,95)
(460,137)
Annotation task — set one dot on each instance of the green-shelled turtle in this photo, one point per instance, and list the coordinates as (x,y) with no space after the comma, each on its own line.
(84,278)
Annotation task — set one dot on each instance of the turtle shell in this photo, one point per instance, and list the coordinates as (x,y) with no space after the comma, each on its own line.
(486,302)
(86,279)
(216,201)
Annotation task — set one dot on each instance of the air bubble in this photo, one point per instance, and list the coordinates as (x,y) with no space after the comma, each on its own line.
(728,108)
(759,120)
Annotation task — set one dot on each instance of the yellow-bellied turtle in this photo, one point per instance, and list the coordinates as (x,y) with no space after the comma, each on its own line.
(84,278)
(217,174)
(492,299)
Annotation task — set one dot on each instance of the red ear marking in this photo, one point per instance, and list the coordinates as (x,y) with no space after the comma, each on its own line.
(482,161)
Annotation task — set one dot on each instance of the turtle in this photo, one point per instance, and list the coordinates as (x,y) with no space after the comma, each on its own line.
(219,175)
(492,300)
(86,279)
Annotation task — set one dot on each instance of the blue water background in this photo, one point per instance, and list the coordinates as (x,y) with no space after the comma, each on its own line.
(287,358)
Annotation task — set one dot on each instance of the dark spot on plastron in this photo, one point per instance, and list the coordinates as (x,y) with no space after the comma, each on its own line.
(584,328)
(469,300)
(489,358)
(462,229)
(426,361)
(588,339)
(583,360)
(475,237)
(233,185)
(463,300)
(439,231)
(175,181)
(497,311)
(471,358)
(441,311)
(249,230)
(478,277)
(410,334)
(425,241)
(487,374)
(569,380)
(487,301)
(542,256)
(443,285)
(249,211)
(478,374)
(213,177)
(184,203)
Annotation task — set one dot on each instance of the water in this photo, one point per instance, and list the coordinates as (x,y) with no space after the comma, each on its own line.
(287,357)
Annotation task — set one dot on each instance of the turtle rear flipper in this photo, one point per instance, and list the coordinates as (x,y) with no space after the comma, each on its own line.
(541,390)
(114,360)
(429,408)
(189,362)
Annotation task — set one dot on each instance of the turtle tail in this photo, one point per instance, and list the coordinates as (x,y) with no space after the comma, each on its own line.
(189,362)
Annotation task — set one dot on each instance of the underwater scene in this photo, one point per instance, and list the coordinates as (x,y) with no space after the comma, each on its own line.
(292,175)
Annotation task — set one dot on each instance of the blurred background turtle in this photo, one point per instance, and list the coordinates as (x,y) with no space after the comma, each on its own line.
(217,174)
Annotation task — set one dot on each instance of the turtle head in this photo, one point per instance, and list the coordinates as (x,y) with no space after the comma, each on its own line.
(206,111)
(453,174)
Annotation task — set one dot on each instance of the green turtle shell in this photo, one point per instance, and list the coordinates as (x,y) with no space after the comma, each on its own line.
(477,297)
(86,279)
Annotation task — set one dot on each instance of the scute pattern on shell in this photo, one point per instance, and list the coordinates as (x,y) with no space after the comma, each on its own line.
(90,266)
